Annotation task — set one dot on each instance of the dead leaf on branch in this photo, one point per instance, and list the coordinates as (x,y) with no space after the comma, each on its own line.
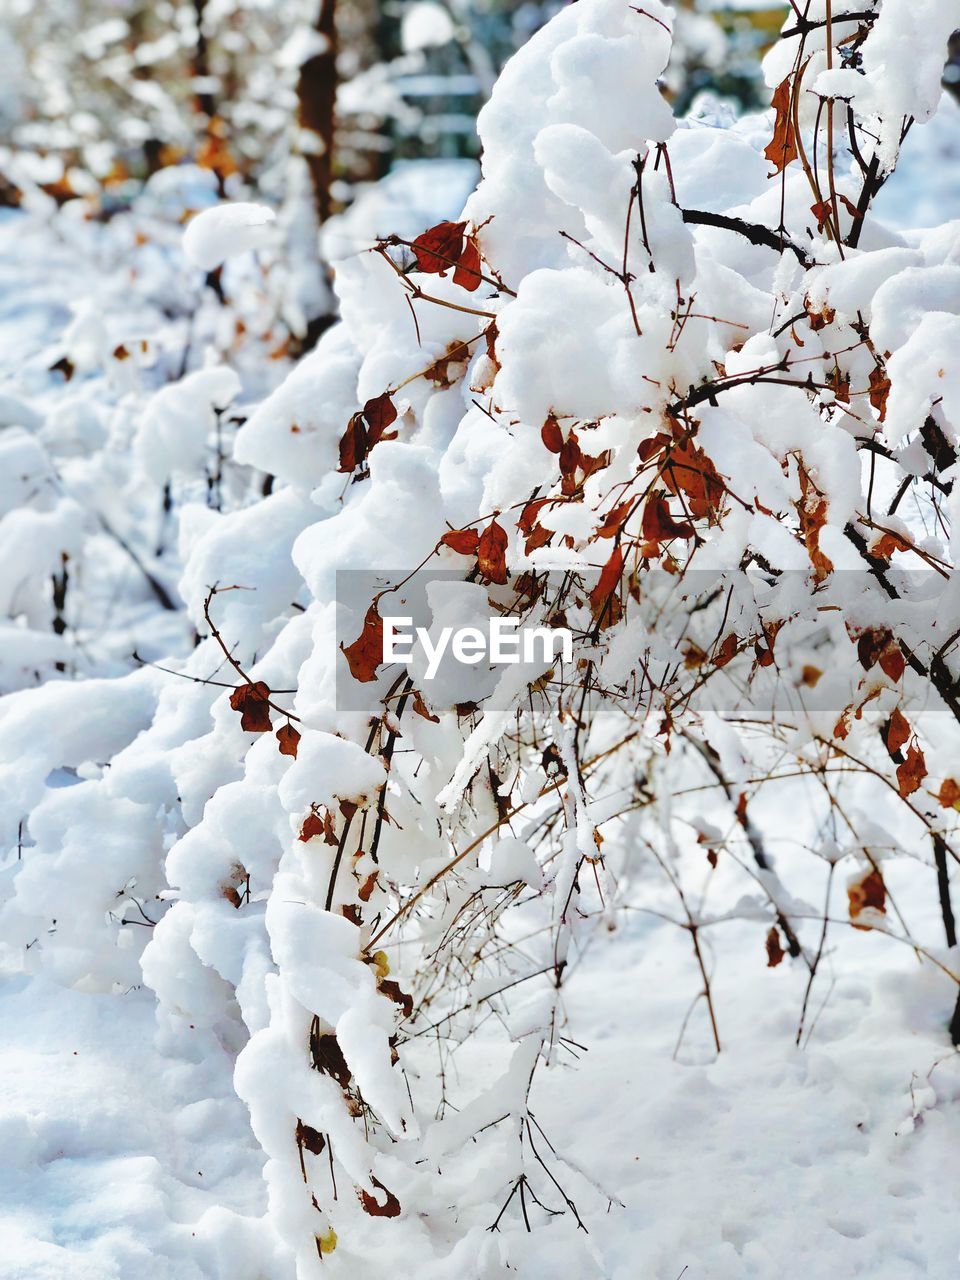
(867,893)
(366,652)
(775,951)
(602,596)
(898,731)
(492,553)
(783,146)
(252,701)
(690,470)
(447,245)
(465,542)
(812,510)
(390,1208)
(366,429)
(912,772)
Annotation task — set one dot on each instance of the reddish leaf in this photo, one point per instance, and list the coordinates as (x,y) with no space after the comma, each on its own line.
(450,367)
(366,652)
(251,700)
(392,990)
(530,513)
(390,1207)
(490,338)
(467,274)
(463,541)
(783,147)
(898,731)
(552,435)
(949,794)
(726,651)
(379,413)
(871,643)
(289,740)
(315,825)
(823,212)
(366,889)
(421,708)
(879,390)
(614,521)
(366,429)
(867,893)
(775,951)
(812,511)
(659,525)
(439,249)
(310,1139)
(570,460)
(892,662)
(912,772)
(492,553)
(647,450)
(353,444)
(607,583)
(690,470)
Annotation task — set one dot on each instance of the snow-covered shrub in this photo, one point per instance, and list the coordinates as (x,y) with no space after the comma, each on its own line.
(669,385)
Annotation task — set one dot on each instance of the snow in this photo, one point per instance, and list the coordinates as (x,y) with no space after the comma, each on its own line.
(216,234)
(425,24)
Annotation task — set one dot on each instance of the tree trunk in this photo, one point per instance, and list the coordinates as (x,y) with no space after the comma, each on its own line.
(316,92)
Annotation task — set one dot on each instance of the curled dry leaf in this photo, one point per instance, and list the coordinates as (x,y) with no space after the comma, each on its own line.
(366,652)
(775,951)
(447,245)
(366,429)
(692,472)
(390,1208)
(252,701)
(867,893)
(783,146)
(658,525)
(492,553)
(289,740)
(607,583)
(464,541)
(898,731)
(912,772)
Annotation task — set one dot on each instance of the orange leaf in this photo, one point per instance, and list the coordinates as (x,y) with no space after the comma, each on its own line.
(289,740)
(551,435)
(492,553)
(366,652)
(912,772)
(812,511)
(783,146)
(775,951)
(659,525)
(607,583)
(879,390)
(689,469)
(463,541)
(898,731)
(867,893)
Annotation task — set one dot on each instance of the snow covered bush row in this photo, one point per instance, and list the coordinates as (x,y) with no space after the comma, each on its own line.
(668,384)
